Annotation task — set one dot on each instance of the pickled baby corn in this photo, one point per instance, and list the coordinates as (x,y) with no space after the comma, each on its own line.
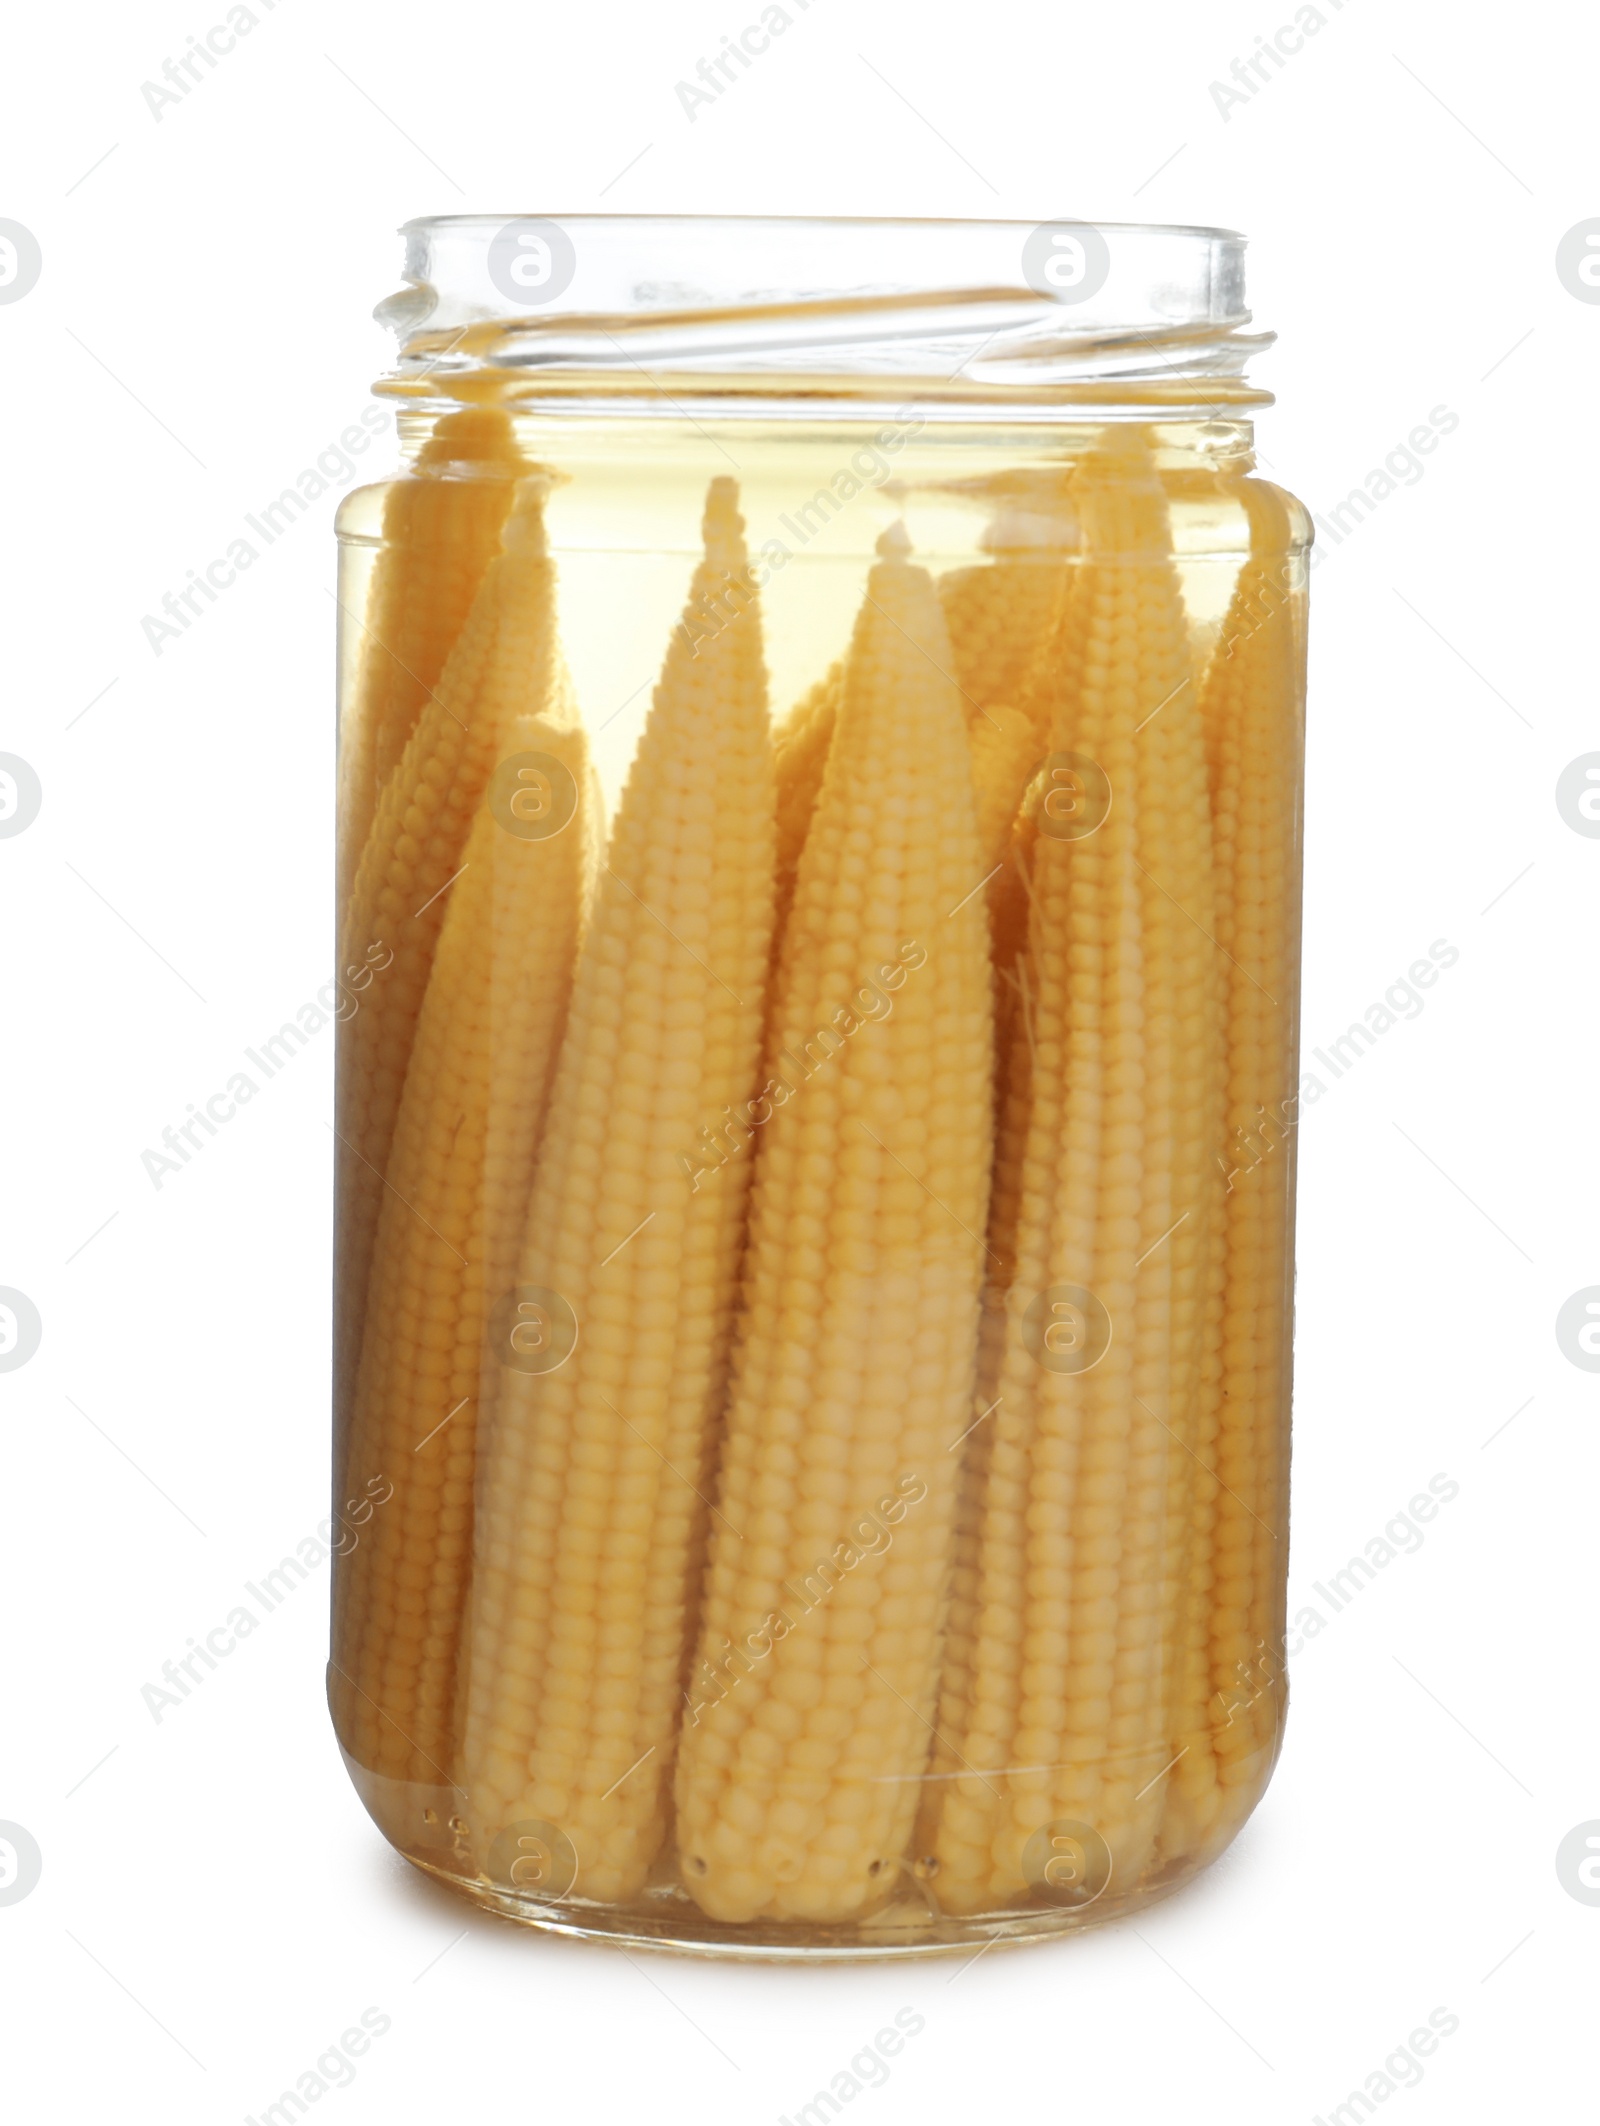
(441,530)
(807,1726)
(1249,704)
(506,663)
(1059,1694)
(592,1516)
(448,1229)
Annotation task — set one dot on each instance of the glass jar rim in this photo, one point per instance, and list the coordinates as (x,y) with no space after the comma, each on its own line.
(735,305)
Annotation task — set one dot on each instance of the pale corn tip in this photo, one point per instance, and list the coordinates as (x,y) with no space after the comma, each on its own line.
(1015,532)
(722,527)
(525,534)
(473,435)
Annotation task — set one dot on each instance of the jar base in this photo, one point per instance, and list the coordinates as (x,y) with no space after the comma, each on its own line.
(679,1927)
(427,1826)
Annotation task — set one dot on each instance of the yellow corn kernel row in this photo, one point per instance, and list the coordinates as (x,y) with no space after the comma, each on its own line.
(1057,1706)
(1005,747)
(450,1222)
(810,1705)
(441,530)
(799,755)
(505,663)
(591,1515)
(1249,700)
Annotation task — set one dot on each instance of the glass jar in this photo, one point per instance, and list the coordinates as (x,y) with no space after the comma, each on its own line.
(821,738)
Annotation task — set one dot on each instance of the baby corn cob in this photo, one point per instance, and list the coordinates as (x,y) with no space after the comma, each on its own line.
(809,1711)
(999,612)
(1058,1695)
(1177,1296)
(506,663)
(441,529)
(590,1529)
(1008,826)
(1250,702)
(448,1229)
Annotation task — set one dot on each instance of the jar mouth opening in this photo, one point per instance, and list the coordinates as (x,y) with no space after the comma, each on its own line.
(745,305)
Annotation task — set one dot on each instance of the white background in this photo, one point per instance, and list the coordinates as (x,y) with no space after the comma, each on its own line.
(214,1907)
